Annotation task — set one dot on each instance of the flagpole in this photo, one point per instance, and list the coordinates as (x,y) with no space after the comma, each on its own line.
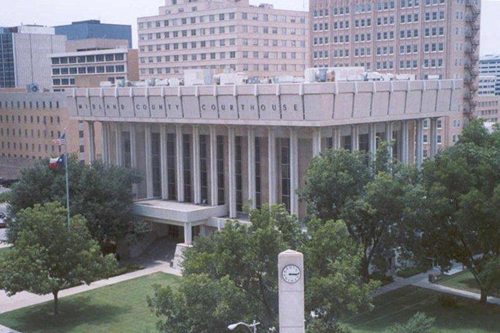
(67,178)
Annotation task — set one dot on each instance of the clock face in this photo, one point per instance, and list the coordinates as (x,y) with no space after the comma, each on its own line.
(291,274)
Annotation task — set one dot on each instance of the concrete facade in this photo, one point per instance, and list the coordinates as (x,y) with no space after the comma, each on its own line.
(90,68)
(24,55)
(488,108)
(29,122)
(223,35)
(216,149)
(433,39)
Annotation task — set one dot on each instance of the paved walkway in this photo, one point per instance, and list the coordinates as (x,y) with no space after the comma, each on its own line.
(422,281)
(23,299)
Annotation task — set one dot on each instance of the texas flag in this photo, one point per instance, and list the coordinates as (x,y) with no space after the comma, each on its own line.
(55,163)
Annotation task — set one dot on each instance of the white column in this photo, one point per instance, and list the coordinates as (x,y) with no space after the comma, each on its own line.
(213,167)
(232,172)
(163,162)
(405,157)
(337,138)
(355,137)
(133,154)
(433,137)
(419,143)
(118,144)
(316,142)
(91,142)
(272,167)
(188,234)
(251,168)
(196,166)
(180,163)
(294,172)
(149,164)
(373,140)
(389,129)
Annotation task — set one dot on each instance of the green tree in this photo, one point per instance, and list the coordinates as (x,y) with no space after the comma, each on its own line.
(48,256)
(459,216)
(334,286)
(375,218)
(331,180)
(99,192)
(233,274)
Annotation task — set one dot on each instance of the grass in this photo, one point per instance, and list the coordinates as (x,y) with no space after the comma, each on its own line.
(118,308)
(465,281)
(400,305)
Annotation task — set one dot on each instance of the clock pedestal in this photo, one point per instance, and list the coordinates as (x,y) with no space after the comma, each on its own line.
(291,292)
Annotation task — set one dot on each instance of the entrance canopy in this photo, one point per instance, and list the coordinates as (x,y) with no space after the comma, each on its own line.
(178,213)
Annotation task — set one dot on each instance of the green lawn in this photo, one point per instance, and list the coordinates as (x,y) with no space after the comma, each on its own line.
(400,305)
(118,308)
(465,281)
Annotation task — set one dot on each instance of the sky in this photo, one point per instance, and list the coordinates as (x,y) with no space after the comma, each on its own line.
(58,12)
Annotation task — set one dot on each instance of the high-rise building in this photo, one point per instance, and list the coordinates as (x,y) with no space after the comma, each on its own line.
(24,56)
(94,29)
(488,108)
(489,65)
(433,39)
(223,35)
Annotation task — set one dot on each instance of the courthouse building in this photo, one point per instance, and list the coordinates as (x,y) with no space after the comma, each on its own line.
(209,151)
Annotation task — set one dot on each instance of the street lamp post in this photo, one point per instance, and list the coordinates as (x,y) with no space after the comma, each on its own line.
(251,327)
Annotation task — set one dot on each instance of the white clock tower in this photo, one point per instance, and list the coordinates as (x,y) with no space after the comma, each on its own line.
(291,292)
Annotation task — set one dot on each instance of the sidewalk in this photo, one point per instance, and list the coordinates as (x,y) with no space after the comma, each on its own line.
(24,299)
(4,329)
(421,280)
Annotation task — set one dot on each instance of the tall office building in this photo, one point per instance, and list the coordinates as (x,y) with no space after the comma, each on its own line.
(429,38)
(24,55)
(489,65)
(223,35)
(94,29)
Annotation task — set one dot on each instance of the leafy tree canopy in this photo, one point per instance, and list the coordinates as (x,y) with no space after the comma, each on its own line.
(458,214)
(101,193)
(233,273)
(48,256)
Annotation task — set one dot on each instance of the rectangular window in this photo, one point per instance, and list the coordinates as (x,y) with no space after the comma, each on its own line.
(204,168)
(155,164)
(220,170)
(285,172)
(186,145)
(171,163)
(238,174)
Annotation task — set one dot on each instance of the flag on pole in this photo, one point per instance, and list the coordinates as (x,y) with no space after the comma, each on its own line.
(55,163)
(61,140)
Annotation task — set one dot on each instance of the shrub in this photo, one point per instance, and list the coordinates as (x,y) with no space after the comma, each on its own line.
(419,323)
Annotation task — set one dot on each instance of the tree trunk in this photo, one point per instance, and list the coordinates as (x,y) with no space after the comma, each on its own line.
(484,296)
(365,273)
(56,302)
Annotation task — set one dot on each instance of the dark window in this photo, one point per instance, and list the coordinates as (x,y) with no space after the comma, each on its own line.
(155,163)
(239,175)
(285,172)
(186,145)
(204,168)
(220,170)
(171,163)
